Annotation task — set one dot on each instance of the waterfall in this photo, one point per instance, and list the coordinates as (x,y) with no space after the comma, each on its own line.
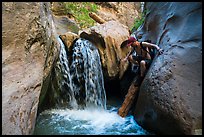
(142,6)
(79,93)
(80,77)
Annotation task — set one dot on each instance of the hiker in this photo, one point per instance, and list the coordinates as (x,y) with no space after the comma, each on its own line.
(143,56)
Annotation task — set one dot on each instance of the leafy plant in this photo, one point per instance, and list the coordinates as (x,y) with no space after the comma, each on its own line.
(139,21)
(80,11)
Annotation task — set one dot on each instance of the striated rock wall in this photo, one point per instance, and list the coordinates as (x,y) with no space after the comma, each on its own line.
(124,12)
(170,99)
(28,51)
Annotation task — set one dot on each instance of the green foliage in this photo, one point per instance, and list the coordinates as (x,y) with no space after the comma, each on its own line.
(80,11)
(139,21)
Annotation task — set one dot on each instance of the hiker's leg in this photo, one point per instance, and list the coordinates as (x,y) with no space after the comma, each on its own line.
(132,60)
(142,73)
(142,68)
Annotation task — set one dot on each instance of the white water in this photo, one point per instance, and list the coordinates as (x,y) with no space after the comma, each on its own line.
(86,122)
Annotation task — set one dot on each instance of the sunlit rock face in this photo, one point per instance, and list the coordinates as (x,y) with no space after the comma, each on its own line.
(68,39)
(170,99)
(28,50)
(108,38)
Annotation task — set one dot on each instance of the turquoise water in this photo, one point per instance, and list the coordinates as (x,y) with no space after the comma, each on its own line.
(90,121)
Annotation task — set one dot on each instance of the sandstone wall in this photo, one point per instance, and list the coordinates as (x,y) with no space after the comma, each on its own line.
(28,51)
(170,99)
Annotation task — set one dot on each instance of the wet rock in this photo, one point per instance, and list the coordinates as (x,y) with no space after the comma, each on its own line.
(170,99)
(28,51)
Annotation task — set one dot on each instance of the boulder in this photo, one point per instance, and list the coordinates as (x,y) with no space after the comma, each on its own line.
(170,98)
(28,51)
(68,38)
(108,38)
(63,20)
(64,24)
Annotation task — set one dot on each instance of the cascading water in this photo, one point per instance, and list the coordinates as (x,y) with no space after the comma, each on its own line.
(82,93)
(82,82)
(87,74)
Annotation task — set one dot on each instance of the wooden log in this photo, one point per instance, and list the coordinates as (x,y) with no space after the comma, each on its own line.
(96,18)
(129,99)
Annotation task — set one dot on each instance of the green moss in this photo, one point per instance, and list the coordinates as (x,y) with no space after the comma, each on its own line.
(80,11)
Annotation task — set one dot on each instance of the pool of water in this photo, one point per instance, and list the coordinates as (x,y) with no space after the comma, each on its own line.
(90,121)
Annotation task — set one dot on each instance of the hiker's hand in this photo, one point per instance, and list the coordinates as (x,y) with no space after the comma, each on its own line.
(124,60)
(160,51)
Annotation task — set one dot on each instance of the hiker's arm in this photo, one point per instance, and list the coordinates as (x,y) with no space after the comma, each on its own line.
(126,58)
(147,44)
(150,45)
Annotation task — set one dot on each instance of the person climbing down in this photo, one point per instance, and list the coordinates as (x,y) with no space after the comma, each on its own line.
(143,57)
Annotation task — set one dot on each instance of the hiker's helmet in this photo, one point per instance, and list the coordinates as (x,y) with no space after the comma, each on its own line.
(130,41)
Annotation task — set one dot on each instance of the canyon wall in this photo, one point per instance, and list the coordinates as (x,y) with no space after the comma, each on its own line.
(170,99)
